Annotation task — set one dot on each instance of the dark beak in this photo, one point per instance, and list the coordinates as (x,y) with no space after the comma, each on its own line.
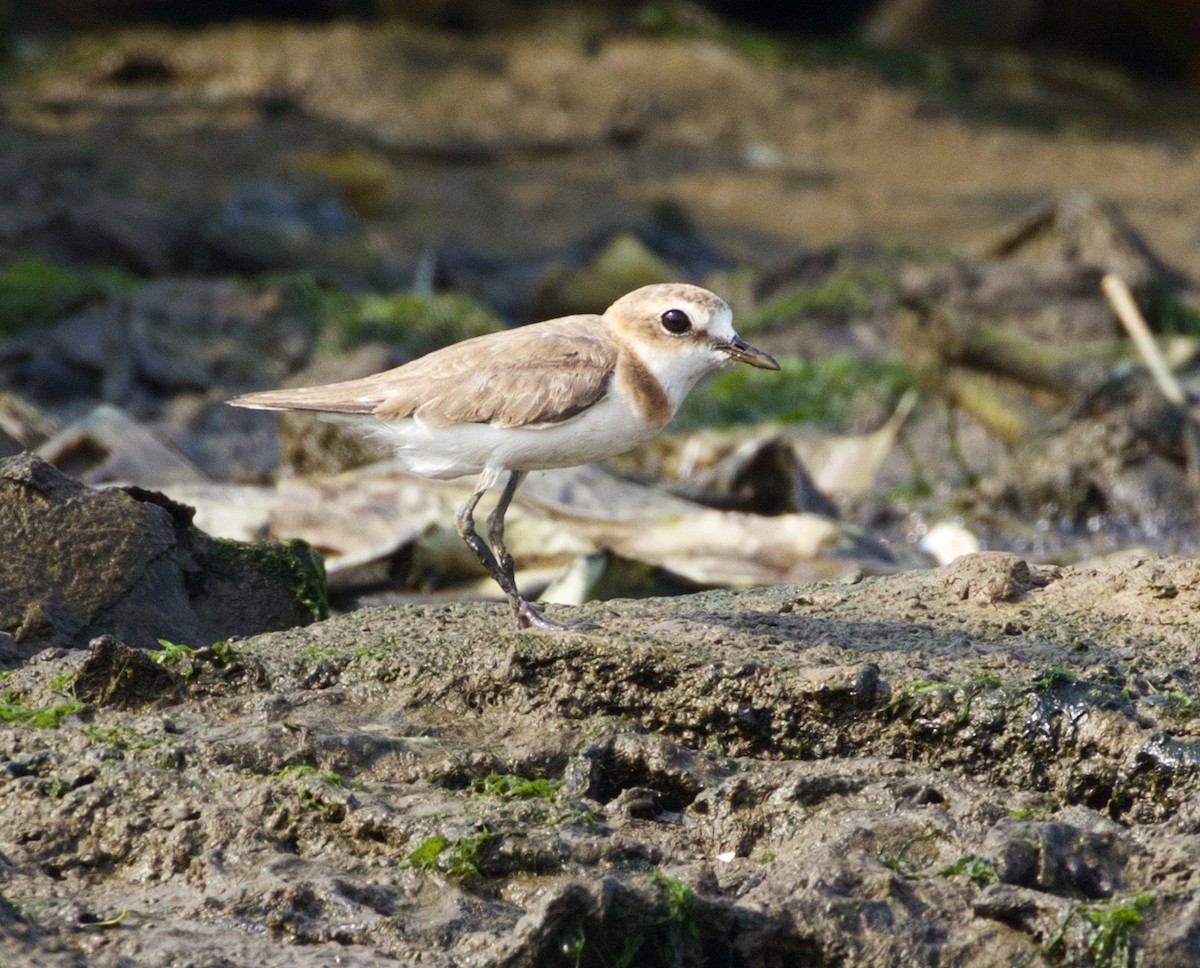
(738,349)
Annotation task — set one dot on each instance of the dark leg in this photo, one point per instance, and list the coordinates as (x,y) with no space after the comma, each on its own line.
(496,524)
(464,524)
(525,613)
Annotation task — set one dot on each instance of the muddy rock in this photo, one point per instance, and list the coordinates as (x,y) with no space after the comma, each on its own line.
(132,233)
(113,674)
(80,563)
(986,763)
(169,336)
(265,226)
(1118,470)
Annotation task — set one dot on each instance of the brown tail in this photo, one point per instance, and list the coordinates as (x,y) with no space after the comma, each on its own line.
(302,398)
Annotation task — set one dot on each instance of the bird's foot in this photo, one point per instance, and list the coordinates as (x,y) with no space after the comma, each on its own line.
(528,615)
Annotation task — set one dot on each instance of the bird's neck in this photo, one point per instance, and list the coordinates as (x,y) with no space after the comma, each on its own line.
(658,378)
(637,383)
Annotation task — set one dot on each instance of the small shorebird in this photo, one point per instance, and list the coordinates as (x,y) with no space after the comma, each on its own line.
(555,394)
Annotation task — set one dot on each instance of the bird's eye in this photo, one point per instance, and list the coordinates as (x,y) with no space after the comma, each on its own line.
(676,321)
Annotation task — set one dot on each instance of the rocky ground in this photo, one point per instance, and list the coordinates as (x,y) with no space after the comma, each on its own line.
(988,763)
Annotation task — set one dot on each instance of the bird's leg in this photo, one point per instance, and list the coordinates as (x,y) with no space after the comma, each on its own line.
(496,525)
(524,612)
(464,523)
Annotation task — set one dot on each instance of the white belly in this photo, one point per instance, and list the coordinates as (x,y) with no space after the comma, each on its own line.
(609,428)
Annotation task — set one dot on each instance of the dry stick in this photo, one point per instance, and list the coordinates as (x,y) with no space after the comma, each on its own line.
(1135,324)
(1131,318)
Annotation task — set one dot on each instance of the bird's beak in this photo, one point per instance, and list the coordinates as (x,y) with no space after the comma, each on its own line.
(738,349)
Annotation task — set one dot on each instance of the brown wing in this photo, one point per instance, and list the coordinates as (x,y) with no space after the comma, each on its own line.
(543,373)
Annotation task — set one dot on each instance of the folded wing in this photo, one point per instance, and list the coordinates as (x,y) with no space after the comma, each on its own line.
(539,374)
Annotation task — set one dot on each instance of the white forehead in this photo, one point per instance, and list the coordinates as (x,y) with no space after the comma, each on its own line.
(715,320)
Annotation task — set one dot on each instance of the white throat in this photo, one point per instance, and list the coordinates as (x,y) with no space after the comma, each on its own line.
(680,365)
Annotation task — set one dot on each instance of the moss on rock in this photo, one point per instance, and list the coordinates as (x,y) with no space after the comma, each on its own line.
(416,323)
(35,292)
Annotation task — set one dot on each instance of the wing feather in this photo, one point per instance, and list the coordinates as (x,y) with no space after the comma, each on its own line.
(539,374)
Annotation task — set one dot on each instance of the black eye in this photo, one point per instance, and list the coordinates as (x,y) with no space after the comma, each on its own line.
(676,321)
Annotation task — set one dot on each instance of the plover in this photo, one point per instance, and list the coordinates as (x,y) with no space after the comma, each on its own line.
(555,394)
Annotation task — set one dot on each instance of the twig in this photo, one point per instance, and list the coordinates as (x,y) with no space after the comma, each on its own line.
(1135,324)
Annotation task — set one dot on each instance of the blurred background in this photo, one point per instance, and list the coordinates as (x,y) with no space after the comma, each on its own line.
(911,203)
(1157,38)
